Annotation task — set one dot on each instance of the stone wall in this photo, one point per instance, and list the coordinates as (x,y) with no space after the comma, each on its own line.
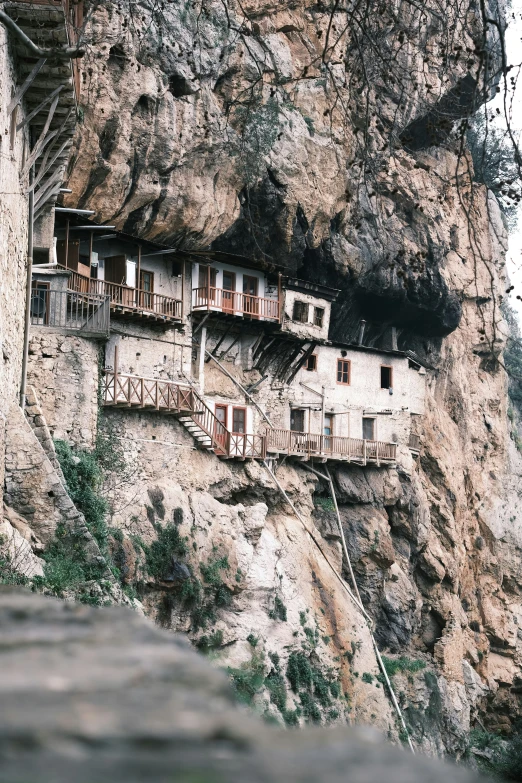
(13,236)
(64,370)
(13,247)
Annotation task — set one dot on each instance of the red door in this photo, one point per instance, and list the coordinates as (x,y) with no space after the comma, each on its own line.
(220,426)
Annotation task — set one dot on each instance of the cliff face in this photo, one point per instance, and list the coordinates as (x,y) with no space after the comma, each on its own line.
(254,131)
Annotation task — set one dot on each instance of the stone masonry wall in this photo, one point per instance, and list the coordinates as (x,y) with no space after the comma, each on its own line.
(64,370)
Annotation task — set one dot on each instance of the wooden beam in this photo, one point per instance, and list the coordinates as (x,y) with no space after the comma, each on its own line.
(220,341)
(40,197)
(19,94)
(39,108)
(43,141)
(42,173)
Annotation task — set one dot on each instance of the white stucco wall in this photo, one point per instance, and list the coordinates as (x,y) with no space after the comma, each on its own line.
(350,403)
(307,330)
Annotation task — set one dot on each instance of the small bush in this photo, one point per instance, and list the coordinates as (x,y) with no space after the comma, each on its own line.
(248,678)
(324,504)
(159,554)
(278,612)
(395,665)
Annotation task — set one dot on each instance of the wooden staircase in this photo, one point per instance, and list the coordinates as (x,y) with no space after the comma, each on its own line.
(121,390)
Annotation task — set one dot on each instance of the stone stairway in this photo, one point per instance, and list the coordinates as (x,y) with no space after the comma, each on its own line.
(203,440)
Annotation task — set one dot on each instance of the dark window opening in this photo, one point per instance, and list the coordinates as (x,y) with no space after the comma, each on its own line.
(318,316)
(343,371)
(311,363)
(300,312)
(297,420)
(368,429)
(386,377)
(239,420)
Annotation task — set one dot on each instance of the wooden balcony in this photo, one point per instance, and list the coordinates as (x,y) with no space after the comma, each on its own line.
(333,447)
(235,303)
(131,303)
(131,391)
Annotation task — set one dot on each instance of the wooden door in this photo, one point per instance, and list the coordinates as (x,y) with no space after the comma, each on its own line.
(229,287)
(250,299)
(72,251)
(146,289)
(207,277)
(328,432)
(220,428)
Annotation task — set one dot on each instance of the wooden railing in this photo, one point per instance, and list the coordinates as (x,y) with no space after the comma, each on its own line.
(333,446)
(234,302)
(129,298)
(131,391)
(224,442)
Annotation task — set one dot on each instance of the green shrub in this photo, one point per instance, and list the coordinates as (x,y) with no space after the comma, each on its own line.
(158,555)
(324,504)
(278,612)
(395,665)
(248,679)
(83,478)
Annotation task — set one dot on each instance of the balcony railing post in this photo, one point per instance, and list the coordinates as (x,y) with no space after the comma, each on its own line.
(364,451)
(377,453)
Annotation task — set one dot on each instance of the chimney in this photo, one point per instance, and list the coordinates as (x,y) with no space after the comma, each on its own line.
(394,338)
(362,327)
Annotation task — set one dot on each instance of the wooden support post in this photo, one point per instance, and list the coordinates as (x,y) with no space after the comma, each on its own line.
(66,242)
(91,243)
(364,451)
(377,453)
(279,296)
(202,347)
(208,287)
(25,86)
(115,374)
(138,273)
(183,271)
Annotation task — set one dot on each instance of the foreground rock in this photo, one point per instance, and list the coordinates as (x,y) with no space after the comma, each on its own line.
(101,695)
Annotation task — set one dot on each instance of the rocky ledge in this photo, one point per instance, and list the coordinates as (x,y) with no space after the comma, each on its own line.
(102,695)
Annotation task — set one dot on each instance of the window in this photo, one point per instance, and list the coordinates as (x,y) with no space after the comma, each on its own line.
(343,371)
(297,420)
(368,429)
(300,312)
(239,420)
(311,363)
(318,316)
(386,377)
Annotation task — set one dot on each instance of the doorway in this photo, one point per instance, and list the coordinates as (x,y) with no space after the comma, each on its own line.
(146,289)
(368,429)
(220,425)
(229,287)
(250,300)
